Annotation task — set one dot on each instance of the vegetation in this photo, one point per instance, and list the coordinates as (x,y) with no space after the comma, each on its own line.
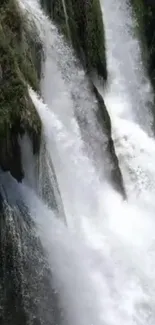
(19,65)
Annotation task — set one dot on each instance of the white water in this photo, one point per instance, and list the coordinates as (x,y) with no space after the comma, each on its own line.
(103,261)
(129,94)
(127,98)
(68,91)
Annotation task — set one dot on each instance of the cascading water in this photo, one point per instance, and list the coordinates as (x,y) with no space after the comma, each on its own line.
(71,90)
(101,263)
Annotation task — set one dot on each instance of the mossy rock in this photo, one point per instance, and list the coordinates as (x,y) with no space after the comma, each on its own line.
(18,67)
(82,24)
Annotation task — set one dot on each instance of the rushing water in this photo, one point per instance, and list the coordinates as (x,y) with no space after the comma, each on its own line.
(99,248)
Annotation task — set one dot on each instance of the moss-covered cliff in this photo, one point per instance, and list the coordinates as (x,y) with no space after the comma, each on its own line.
(81,22)
(19,63)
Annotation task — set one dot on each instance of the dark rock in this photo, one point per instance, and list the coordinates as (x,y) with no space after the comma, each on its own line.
(10,155)
(81,22)
(104,120)
(1,74)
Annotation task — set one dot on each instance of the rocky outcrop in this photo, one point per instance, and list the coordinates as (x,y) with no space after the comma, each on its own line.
(112,169)
(81,22)
(19,65)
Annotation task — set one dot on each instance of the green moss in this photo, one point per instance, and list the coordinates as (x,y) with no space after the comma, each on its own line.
(18,67)
(18,38)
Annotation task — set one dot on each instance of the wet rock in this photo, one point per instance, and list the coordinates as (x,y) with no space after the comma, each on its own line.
(113,168)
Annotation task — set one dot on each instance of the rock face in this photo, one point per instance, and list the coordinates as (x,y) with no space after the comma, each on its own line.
(19,63)
(113,170)
(81,22)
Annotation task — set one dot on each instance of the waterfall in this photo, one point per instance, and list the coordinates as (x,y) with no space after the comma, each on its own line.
(72,166)
(101,273)
(82,255)
(71,88)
